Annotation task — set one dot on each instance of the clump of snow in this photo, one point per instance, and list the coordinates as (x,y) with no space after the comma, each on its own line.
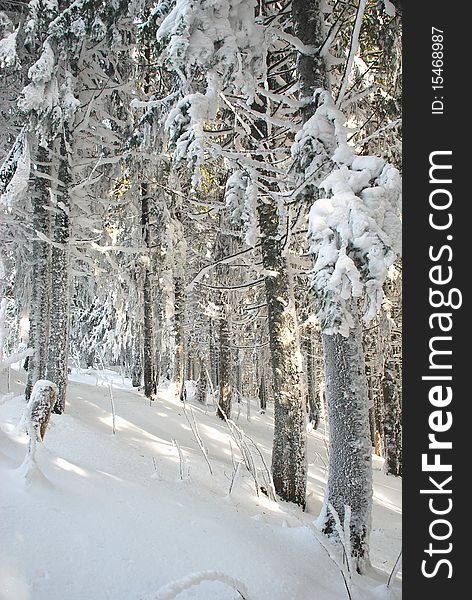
(217,35)
(389,8)
(354,224)
(8,55)
(41,71)
(241,199)
(221,39)
(41,94)
(99,29)
(52,101)
(184,126)
(34,421)
(36,415)
(22,352)
(78,28)
(68,101)
(323,137)
(172,590)
(15,172)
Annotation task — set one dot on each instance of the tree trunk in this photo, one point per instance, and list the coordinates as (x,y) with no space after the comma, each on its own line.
(202,384)
(149,372)
(392,421)
(350,458)
(350,468)
(373,428)
(289,462)
(214,368)
(136,355)
(58,351)
(312,395)
(224,407)
(223,247)
(262,391)
(379,415)
(311,69)
(179,337)
(40,293)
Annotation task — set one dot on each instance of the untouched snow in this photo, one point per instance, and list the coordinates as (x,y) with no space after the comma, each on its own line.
(119,517)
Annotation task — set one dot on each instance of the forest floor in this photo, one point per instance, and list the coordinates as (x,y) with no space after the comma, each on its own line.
(121,516)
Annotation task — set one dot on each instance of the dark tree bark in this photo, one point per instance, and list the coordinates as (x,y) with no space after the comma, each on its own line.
(262,391)
(225,387)
(314,409)
(311,69)
(375,408)
(372,426)
(289,462)
(392,420)
(214,368)
(223,247)
(179,299)
(40,293)
(202,383)
(136,355)
(58,351)
(149,372)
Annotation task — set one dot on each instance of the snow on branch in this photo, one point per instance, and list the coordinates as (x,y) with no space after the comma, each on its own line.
(39,408)
(221,40)
(8,55)
(41,95)
(352,50)
(220,37)
(14,358)
(241,199)
(233,287)
(15,171)
(293,41)
(6,362)
(354,222)
(224,261)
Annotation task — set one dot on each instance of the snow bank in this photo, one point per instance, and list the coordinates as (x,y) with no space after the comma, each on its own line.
(108,516)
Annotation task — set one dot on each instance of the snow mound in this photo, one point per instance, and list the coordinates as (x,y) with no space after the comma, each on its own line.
(111,517)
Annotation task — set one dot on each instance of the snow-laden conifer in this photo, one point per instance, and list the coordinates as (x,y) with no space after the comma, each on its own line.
(354,225)
(355,232)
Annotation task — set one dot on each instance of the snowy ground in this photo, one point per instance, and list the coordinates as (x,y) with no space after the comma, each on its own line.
(120,516)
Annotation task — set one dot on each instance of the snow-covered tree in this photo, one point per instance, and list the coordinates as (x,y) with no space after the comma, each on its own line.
(206,190)
(355,231)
